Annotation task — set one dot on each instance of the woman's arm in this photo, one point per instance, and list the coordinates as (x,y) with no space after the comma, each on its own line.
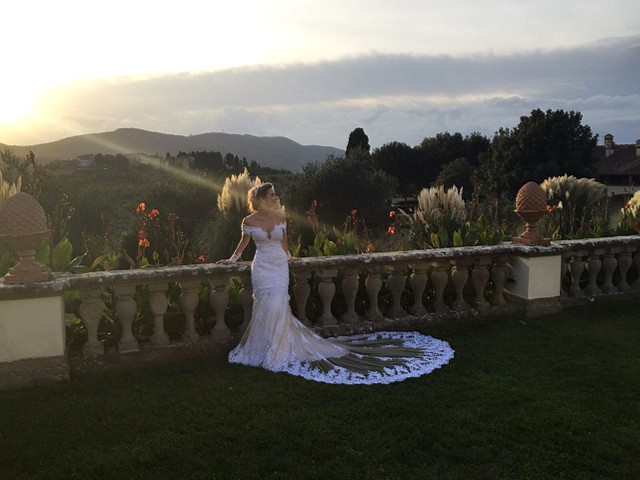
(237,253)
(285,242)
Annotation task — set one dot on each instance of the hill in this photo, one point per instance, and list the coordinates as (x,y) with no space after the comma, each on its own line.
(275,152)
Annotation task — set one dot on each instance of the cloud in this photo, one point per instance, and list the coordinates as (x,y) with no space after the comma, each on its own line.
(393,97)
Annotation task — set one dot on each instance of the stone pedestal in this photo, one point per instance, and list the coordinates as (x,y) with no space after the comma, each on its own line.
(537,283)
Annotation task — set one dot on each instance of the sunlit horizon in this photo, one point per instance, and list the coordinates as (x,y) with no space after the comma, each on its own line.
(63,46)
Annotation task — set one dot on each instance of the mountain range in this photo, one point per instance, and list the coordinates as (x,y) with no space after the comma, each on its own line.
(274,152)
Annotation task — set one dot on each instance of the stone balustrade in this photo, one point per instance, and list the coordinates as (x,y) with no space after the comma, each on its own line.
(337,295)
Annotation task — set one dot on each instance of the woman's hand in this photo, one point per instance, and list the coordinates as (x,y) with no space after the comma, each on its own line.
(225,261)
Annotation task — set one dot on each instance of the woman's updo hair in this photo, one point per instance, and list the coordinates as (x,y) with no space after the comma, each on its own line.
(257,194)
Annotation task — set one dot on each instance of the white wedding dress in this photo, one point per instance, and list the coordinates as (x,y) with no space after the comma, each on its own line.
(276,340)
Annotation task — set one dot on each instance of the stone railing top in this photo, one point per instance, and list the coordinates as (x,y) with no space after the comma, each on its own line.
(366,261)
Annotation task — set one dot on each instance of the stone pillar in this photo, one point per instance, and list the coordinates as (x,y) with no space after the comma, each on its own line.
(576,267)
(439,279)
(499,275)
(32,344)
(480,277)
(326,291)
(594,265)
(350,285)
(91,310)
(373,284)
(459,277)
(158,303)
(189,302)
(219,298)
(624,265)
(397,281)
(301,291)
(537,283)
(126,310)
(418,281)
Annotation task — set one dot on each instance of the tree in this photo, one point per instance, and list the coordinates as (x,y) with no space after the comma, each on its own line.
(457,173)
(339,186)
(436,152)
(399,160)
(543,145)
(358,140)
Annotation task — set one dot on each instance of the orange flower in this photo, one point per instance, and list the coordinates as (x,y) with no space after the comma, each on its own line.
(370,248)
(391,230)
(141,207)
(201,258)
(153,214)
(550,208)
(144,243)
(392,213)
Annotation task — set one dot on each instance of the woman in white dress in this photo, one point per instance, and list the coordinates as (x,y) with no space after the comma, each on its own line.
(276,340)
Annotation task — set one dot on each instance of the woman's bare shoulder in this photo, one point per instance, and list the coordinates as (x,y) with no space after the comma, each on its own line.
(249,220)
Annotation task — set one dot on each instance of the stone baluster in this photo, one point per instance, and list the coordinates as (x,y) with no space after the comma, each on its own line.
(636,266)
(418,281)
(91,310)
(189,302)
(374,284)
(158,303)
(459,277)
(396,282)
(624,265)
(576,267)
(439,280)
(594,265)
(246,300)
(326,291)
(301,291)
(219,298)
(564,269)
(480,276)
(499,275)
(609,265)
(126,310)
(350,284)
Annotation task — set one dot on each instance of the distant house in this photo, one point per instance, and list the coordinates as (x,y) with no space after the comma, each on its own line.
(84,161)
(618,166)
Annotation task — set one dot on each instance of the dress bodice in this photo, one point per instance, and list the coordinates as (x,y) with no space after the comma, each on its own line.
(270,267)
(263,237)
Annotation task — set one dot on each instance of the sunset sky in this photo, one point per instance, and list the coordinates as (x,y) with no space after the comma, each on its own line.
(313,71)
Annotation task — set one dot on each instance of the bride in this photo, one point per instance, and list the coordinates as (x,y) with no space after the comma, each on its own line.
(276,340)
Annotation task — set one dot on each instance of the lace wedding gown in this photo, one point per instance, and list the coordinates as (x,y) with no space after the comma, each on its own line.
(276,340)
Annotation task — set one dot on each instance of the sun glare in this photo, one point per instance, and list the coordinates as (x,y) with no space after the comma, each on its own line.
(17,100)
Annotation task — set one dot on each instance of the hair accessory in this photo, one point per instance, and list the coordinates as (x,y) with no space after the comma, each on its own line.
(255,190)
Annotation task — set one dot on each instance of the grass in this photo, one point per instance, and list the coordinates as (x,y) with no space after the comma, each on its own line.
(555,397)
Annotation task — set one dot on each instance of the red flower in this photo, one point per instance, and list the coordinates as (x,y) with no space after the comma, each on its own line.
(391,230)
(550,208)
(141,207)
(153,214)
(392,213)
(201,258)
(354,212)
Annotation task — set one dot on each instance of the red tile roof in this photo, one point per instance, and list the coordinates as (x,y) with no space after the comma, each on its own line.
(623,160)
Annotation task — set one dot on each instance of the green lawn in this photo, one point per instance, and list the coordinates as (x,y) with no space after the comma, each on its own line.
(556,397)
